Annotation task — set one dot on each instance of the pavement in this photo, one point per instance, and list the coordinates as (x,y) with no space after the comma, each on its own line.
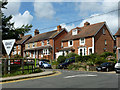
(45,73)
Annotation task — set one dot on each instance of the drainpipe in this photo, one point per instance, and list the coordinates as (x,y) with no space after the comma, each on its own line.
(53,50)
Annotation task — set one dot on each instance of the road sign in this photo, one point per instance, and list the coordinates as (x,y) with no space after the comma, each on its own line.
(8,44)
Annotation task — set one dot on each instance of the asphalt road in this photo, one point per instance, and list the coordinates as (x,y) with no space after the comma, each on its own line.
(70,79)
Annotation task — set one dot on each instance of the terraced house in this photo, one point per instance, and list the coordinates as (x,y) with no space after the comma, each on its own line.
(19,45)
(117,36)
(45,45)
(94,38)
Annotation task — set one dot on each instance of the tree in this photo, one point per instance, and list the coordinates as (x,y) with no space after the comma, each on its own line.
(8,29)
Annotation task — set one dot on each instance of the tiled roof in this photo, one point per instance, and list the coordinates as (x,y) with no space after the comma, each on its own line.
(118,32)
(23,39)
(67,49)
(85,31)
(43,36)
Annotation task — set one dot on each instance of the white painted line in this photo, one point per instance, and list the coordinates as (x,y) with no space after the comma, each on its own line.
(81,75)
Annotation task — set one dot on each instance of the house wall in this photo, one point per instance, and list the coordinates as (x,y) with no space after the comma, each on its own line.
(100,41)
(57,41)
(118,46)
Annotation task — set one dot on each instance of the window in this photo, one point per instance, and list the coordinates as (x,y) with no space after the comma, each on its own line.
(105,42)
(33,45)
(14,47)
(82,41)
(74,32)
(70,43)
(28,45)
(18,52)
(61,44)
(46,51)
(48,42)
(103,31)
(42,43)
(18,46)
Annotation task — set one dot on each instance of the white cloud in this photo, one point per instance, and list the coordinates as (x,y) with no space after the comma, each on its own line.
(12,7)
(44,9)
(20,19)
(68,27)
(112,24)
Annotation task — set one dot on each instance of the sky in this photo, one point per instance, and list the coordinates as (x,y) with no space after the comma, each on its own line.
(46,14)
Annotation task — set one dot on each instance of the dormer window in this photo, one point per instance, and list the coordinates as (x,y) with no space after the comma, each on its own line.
(28,45)
(74,32)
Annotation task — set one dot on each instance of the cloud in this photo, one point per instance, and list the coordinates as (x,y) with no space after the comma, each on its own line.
(20,19)
(12,7)
(68,27)
(44,9)
(87,9)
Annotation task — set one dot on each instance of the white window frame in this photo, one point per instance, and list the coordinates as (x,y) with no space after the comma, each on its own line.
(74,32)
(48,42)
(18,52)
(14,47)
(81,41)
(28,45)
(83,53)
(18,46)
(42,43)
(69,43)
(89,49)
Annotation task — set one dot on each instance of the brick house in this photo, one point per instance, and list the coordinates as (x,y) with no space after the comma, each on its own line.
(94,38)
(19,45)
(117,43)
(45,45)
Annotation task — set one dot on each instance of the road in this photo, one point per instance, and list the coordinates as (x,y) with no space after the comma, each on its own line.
(69,79)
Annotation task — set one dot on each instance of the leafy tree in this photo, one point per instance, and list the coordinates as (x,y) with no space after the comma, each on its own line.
(8,29)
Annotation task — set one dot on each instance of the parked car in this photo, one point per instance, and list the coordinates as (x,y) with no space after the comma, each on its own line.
(44,64)
(107,66)
(66,63)
(117,66)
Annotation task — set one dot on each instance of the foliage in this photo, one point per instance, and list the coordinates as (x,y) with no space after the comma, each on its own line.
(9,31)
(106,54)
(61,59)
(71,55)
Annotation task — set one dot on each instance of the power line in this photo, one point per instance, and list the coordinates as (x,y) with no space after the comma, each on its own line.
(82,19)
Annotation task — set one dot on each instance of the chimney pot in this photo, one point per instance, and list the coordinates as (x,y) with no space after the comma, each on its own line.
(59,28)
(86,23)
(36,32)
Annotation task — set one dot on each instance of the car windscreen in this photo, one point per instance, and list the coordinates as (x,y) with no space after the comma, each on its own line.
(119,61)
(103,64)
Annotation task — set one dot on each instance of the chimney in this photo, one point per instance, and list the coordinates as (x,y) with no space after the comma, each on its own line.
(36,32)
(21,35)
(86,24)
(59,28)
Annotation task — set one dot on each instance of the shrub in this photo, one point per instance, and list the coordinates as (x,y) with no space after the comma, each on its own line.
(71,55)
(106,54)
(61,59)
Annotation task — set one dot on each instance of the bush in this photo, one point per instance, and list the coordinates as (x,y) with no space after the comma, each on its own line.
(71,55)
(61,59)
(106,54)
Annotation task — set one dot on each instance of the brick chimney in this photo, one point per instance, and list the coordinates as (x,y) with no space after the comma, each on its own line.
(21,35)
(59,28)
(36,32)
(86,24)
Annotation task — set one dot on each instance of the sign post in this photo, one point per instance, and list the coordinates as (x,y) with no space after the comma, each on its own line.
(8,44)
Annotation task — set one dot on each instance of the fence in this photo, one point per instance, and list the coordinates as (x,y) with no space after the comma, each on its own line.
(12,65)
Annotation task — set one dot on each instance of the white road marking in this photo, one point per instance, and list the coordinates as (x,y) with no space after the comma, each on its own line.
(81,75)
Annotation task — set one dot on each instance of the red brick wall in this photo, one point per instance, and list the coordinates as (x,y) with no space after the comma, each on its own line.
(100,41)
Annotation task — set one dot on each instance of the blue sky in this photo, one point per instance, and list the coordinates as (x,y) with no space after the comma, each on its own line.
(48,14)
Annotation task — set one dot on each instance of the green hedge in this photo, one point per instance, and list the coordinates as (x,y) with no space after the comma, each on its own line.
(61,59)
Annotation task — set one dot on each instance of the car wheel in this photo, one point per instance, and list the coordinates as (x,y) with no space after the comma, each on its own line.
(107,69)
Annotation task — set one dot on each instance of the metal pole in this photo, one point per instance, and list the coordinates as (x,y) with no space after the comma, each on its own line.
(9,65)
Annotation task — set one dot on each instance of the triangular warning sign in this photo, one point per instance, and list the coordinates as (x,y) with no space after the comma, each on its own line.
(8,44)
